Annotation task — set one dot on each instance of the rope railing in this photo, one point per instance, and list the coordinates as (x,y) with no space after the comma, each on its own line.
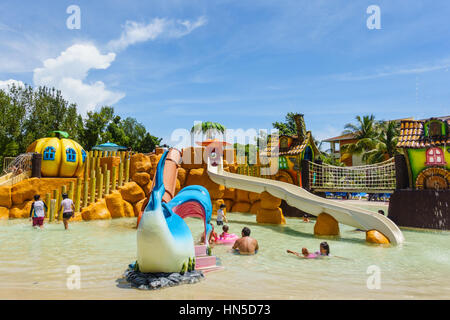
(378,177)
(16,169)
(17,165)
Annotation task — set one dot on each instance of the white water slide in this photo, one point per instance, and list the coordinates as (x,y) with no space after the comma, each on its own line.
(300,198)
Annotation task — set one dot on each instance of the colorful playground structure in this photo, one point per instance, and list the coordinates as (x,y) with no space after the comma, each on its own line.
(115,184)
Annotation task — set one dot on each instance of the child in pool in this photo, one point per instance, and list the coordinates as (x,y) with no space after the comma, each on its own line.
(305,218)
(225,231)
(212,236)
(323,251)
(221,215)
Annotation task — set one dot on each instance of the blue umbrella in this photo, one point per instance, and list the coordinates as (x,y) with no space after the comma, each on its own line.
(109,146)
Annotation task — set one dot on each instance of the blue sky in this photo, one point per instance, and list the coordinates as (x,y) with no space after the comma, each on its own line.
(242,63)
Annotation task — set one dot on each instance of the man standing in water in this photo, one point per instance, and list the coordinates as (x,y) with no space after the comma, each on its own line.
(246,245)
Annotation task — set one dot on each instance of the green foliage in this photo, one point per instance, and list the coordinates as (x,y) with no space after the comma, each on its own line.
(289,127)
(376,139)
(250,151)
(208,128)
(385,143)
(328,158)
(28,114)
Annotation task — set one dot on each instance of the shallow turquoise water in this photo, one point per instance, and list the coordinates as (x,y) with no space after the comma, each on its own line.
(33,263)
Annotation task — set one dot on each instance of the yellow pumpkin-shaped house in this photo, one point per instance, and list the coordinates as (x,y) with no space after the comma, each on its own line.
(60,157)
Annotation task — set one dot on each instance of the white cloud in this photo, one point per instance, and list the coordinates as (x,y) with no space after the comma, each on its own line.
(7,83)
(68,71)
(140,32)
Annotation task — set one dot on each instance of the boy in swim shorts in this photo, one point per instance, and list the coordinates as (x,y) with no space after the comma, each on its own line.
(37,212)
(68,209)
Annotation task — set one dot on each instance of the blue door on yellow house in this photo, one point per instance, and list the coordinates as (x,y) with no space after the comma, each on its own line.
(308,155)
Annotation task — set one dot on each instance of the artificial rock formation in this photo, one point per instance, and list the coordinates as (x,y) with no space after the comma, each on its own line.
(20,211)
(182,174)
(23,191)
(138,207)
(255,207)
(4,213)
(110,162)
(200,177)
(326,225)
(141,178)
(131,192)
(269,211)
(269,202)
(115,205)
(128,209)
(374,236)
(96,211)
(140,163)
(241,207)
(5,196)
(272,216)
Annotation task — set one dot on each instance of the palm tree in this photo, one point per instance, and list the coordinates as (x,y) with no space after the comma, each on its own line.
(328,158)
(364,131)
(386,143)
(210,129)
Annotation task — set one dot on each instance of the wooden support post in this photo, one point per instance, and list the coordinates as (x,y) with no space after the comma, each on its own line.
(120,174)
(86,167)
(105,168)
(107,181)
(71,193)
(97,165)
(92,187)
(63,190)
(78,195)
(85,192)
(114,178)
(48,198)
(58,204)
(127,170)
(52,210)
(100,186)
(99,172)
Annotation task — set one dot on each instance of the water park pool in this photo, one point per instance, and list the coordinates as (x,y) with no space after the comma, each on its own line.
(34,262)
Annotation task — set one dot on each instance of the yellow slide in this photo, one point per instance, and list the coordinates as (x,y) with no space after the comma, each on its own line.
(308,202)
